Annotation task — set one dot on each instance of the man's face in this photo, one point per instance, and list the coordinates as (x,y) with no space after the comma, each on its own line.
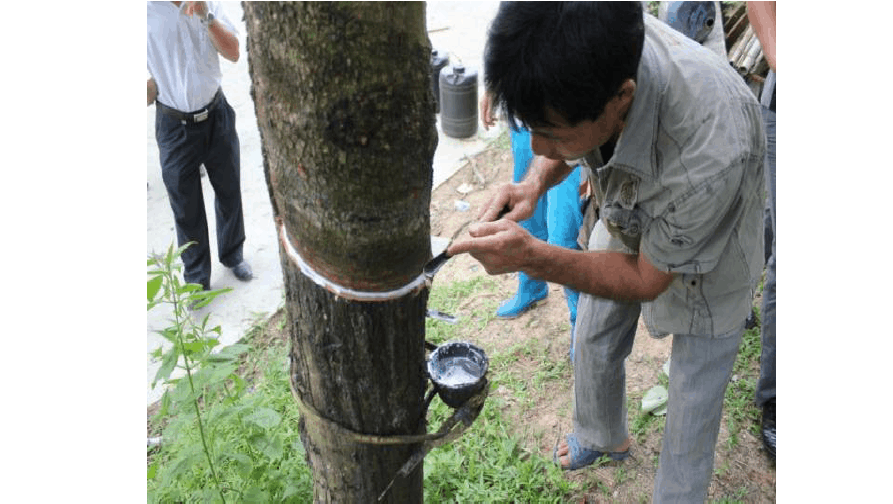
(565,142)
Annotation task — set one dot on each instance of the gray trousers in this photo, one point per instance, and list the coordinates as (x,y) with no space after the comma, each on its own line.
(700,369)
(766,384)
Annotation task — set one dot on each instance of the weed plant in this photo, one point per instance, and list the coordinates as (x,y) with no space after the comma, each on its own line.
(221,440)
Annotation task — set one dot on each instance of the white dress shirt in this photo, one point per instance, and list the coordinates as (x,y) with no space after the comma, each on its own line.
(181,57)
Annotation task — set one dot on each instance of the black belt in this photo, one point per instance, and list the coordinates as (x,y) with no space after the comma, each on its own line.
(193,117)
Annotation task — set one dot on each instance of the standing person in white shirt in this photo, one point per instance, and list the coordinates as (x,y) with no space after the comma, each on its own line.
(195,126)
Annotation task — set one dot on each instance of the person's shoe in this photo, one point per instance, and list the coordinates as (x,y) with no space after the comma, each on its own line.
(530,292)
(580,457)
(242,271)
(751,321)
(767,429)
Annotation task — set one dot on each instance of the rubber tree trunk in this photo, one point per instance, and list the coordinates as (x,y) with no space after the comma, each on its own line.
(342,94)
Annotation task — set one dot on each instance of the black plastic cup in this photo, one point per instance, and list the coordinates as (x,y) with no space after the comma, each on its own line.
(458,370)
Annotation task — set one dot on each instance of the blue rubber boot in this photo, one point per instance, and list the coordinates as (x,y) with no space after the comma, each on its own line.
(530,292)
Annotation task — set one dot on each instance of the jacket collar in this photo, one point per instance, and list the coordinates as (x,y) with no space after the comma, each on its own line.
(634,151)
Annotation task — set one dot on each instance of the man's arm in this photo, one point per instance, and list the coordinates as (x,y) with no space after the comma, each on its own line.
(761,16)
(224,40)
(504,246)
(151,91)
(612,275)
(487,117)
(546,173)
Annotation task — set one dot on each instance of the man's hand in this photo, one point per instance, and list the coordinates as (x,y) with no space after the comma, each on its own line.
(151,91)
(223,40)
(501,246)
(520,198)
(487,117)
(200,9)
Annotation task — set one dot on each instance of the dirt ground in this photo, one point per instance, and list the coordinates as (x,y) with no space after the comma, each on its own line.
(742,473)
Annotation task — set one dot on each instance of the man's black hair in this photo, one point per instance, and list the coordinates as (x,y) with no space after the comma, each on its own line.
(571,57)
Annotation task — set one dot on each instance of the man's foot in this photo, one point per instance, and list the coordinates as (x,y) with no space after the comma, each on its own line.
(767,429)
(751,321)
(571,456)
(242,271)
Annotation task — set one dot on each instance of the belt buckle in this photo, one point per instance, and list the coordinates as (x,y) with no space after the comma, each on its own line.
(201,116)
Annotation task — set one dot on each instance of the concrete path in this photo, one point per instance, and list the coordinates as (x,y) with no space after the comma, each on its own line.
(456,27)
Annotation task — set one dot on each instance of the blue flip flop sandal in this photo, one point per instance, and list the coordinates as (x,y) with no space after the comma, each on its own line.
(581,457)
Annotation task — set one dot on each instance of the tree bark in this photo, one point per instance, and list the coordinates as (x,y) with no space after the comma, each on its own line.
(343,100)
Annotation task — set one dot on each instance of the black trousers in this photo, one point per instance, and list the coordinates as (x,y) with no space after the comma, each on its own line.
(183,147)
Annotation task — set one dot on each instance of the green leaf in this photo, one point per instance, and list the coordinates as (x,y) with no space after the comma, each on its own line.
(169,334)
(152,470)
(167,366)
(194,347)
(211,342)
(220,372)
(183,392)
(165,406)
(152,287)
(271,446)
(242,462)
(255,495)
(299,449)
(228,353)
(265,418)
(239,384)
(185,462)
(191,287)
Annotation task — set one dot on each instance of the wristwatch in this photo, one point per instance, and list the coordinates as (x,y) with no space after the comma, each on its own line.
(208,19)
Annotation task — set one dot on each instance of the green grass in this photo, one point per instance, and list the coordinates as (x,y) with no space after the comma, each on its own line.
(487,464)
(449,298)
